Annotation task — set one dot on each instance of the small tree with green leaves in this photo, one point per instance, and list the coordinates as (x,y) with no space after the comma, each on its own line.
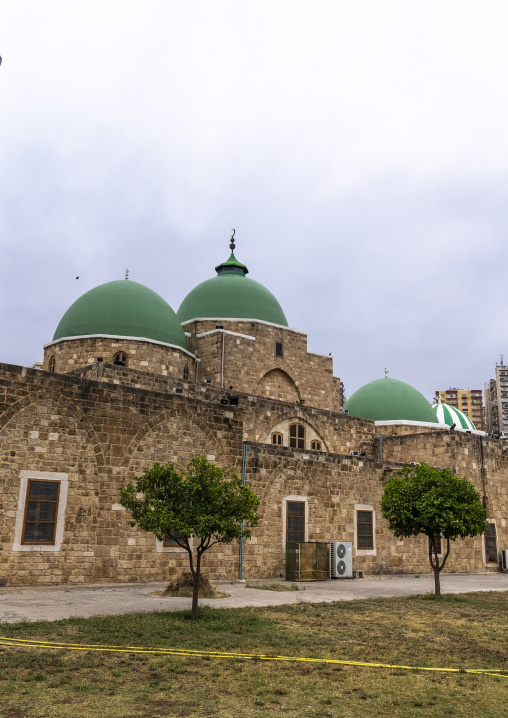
(436,503)
(199,507)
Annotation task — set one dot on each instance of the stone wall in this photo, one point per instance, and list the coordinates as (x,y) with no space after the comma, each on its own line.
(406,427)
(260,416)
(95,435)
(339,433)
(335,487)
(98,436)
(147,356)
(243,355)
(482,460)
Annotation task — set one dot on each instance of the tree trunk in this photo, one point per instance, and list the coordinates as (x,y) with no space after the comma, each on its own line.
(195,596)
(437,585)
(434,562)
(195,591)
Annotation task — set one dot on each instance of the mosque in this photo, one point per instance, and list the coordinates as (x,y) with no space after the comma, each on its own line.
(127,382)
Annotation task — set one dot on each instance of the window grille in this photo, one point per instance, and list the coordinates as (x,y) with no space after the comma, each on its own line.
(491,543)
(365,534)
(295,521)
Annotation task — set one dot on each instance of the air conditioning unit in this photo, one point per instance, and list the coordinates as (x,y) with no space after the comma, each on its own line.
(504,559)
(207,381)
(177,390)
(341,559)
(354,453)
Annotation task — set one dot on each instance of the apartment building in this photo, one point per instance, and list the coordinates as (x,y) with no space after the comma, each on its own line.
(496,402)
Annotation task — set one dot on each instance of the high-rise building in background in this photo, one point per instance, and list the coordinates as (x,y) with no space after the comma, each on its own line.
(469,401)
(496,402)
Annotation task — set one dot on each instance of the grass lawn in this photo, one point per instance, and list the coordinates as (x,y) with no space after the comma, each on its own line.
(463,631)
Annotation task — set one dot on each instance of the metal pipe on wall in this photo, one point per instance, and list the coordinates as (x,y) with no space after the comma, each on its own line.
(240,549)
(222,363)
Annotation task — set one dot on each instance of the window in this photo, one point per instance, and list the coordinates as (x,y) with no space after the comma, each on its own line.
(297,436)
(490,543)
(279,350)
(315,444)
(51,364)
(40,517)
(170,539)
(120,359)
(365,534)
(295,521)
(277,438)
(41,510)
(186,373)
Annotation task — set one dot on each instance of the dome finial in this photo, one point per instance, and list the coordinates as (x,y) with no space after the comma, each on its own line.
(386,373)
(232,241)
(126,274)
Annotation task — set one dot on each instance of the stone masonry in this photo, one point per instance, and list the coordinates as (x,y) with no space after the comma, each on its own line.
(144,355)
(98,428)
(243,354)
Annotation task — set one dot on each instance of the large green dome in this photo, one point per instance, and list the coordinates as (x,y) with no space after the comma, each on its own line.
(124,309)
(230,295)
(390,399)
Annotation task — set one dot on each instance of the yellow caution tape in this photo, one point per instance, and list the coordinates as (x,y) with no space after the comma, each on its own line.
(25,643)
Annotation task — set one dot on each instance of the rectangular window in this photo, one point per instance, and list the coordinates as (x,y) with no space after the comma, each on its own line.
(170,539)
(365,534)
(295,521)
(279,351)
(41,510)
(491,543)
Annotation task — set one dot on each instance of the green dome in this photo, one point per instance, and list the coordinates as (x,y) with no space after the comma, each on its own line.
(124,309)
(451,415)
(390,399)
(230,295)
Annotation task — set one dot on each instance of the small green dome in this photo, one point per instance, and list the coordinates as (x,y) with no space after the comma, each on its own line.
(451,415)
(390,399)
(230,295)
(124,309)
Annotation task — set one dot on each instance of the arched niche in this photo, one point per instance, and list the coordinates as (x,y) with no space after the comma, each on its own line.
(277,384)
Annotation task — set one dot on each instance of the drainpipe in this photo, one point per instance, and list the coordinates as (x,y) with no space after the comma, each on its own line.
(222,363)
(240,554)
(482,473)
(380,447)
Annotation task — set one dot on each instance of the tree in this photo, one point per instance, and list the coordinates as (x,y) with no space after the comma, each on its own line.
(201,505)
(434,502)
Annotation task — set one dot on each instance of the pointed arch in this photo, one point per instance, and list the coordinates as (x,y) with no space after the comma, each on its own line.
(174,435)
(64,405)
(278,384)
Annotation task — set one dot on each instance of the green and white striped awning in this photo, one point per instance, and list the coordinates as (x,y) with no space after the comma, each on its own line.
(450,415)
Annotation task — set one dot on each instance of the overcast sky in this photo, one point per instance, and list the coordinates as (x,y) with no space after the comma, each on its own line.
(359,149)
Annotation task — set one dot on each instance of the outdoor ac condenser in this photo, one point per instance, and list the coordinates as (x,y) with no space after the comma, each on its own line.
(341,559)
